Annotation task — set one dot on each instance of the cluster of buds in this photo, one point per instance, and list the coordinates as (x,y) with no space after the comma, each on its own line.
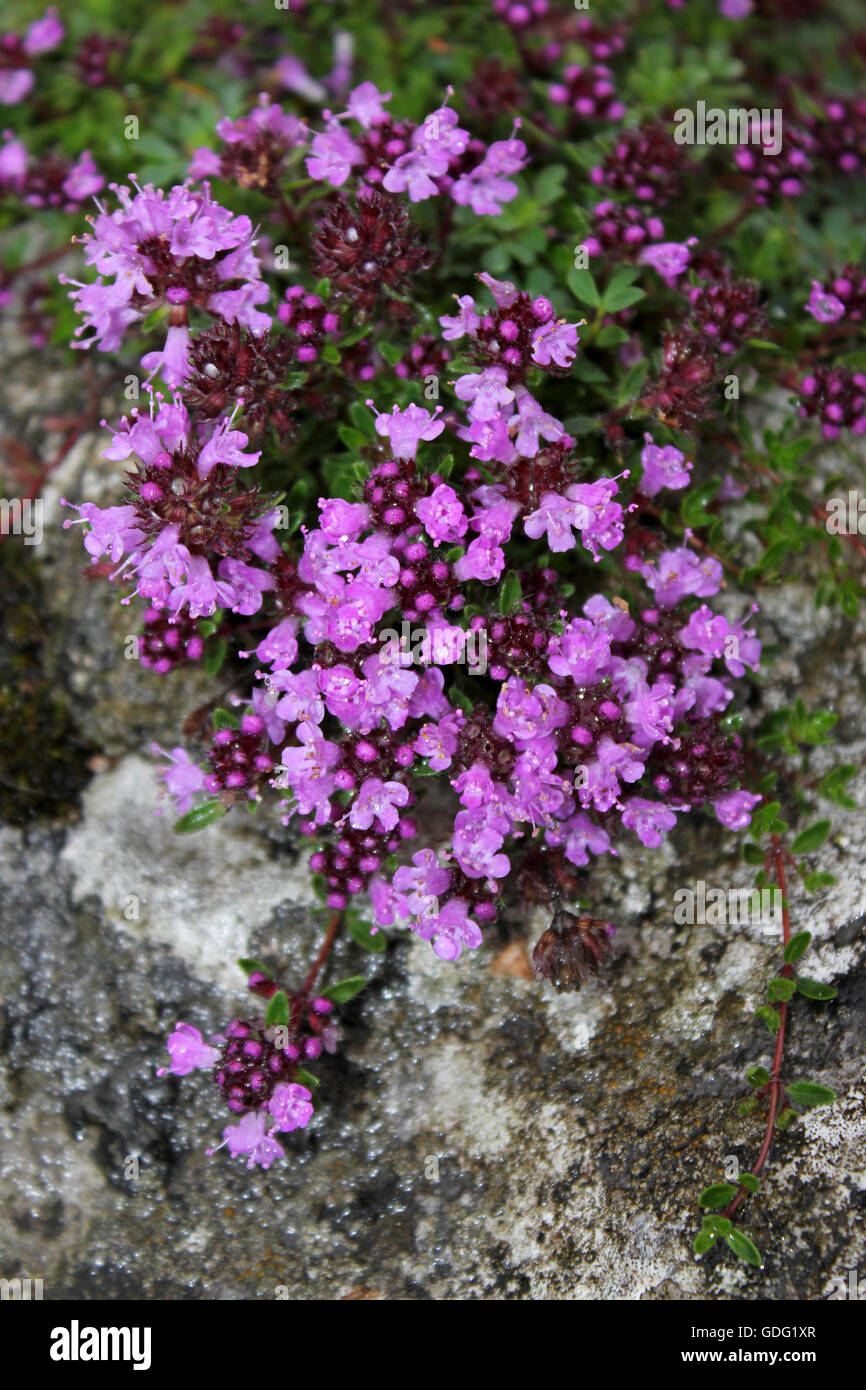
(167,642)
(843,296)
(777,172)
(646,162)
(368,251)
(588,92)
(621,231)
(727,312)
(837,397)
(682,392)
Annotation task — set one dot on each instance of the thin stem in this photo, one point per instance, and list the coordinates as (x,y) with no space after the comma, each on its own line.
(330,937)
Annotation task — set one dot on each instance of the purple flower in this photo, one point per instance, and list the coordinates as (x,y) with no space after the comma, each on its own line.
(188,1051)
(734,809)
(478,838)
(280,647)
(651,713)
(651,820)
(422,886)
(378,801)
(406,428)
(44,33)
(533,424)
(183,778)
(290,1107)
(669,258)
(503,291)
(580,835)
(680,573)
(442,515)
(195,235)
(523,714)
(555,342)
(483,560)
(365,105)
(613,761)
(485,187)
(580,651)
(343,693)
(307,769)
(597,516)
(450,930)
(333,154)
(557,516)
(486,392)
(458,325)
(112,530)
(823,306)
(705,632)
(438,742)
(342,521)
(662,467)
(249,1136)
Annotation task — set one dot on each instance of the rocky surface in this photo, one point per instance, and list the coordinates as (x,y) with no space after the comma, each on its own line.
(479,1137)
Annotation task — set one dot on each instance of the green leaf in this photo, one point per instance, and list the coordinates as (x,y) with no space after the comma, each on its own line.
(769,1017)
(629,387)
(704,1241)
(763,818)
(344,990)
(780,990)
(364,937)
(718,1195)
(278,1010)
(611,336)
(809,840)
(548,186)
(617,297)
(307,1079)
(785,1118)
(353,439)
(796,947)
(215,657)
(695,502)
(744,1249)
(331,353)
(719,1225)
(814,989)
(757,1076)
(813,881)
(809,1093)
(253,967)
(749,1182)
(511,594)
(583,287)
(199,817)
(753,854)
(225,719)
(832,786)
(390,351)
